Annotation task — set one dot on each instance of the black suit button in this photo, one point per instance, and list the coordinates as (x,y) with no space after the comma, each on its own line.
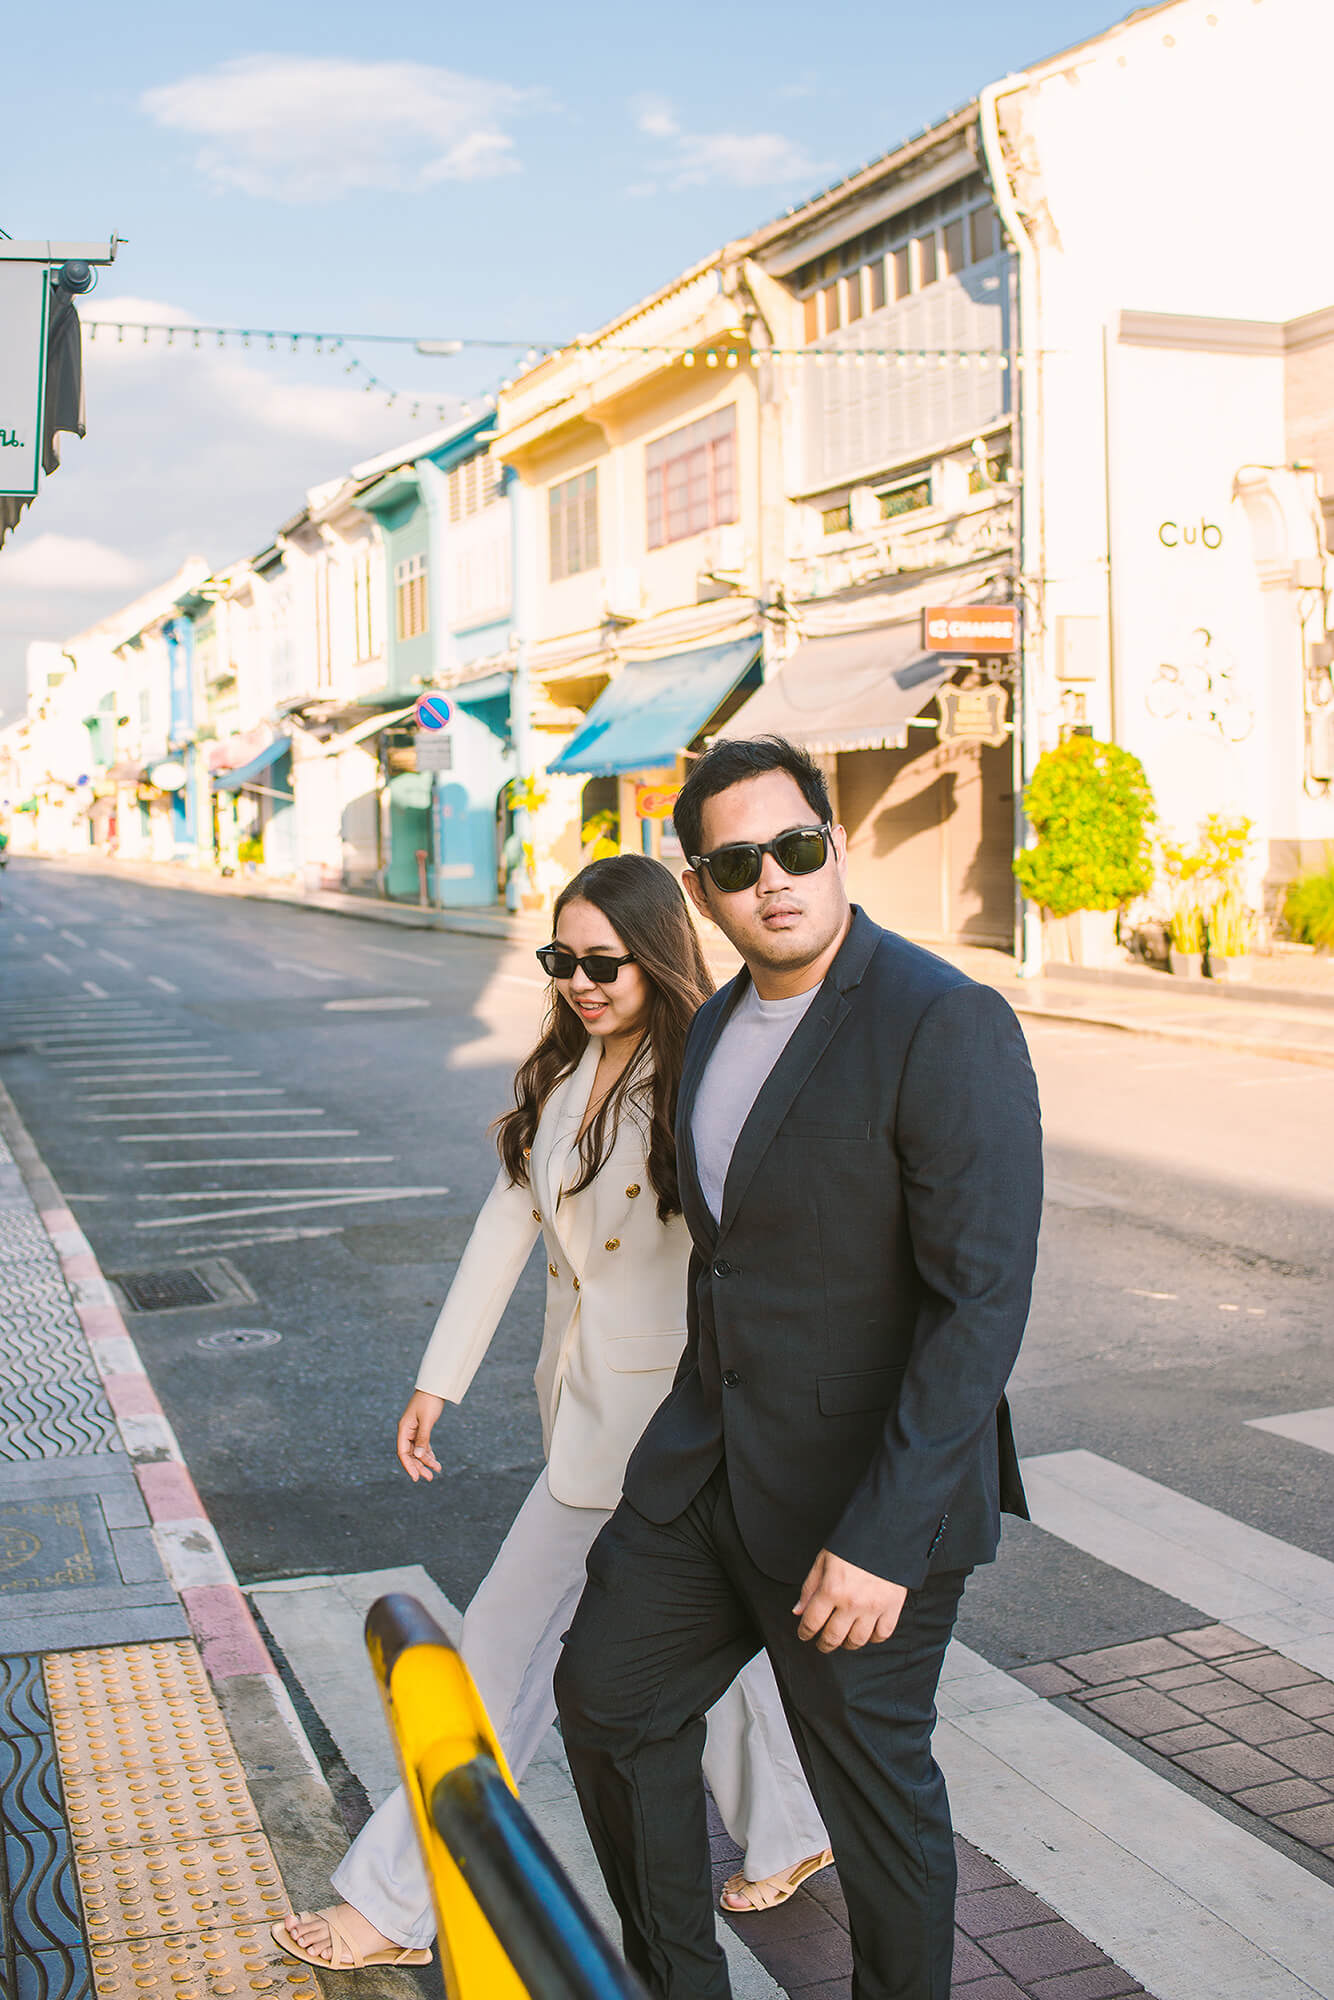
(721,1268)
(730,1379)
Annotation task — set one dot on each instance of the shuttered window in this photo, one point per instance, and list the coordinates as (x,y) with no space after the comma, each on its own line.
(572,525)
(690,479)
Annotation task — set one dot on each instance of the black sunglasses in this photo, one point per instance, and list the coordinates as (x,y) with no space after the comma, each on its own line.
(599,966)
(802,850)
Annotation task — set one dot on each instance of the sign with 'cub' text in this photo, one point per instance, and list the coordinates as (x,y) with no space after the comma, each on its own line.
(22,376)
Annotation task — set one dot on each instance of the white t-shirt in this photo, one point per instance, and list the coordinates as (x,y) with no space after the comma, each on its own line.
(743,1056)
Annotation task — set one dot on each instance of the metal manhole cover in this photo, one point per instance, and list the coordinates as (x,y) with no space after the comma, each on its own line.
(159,1291)
(234,1337)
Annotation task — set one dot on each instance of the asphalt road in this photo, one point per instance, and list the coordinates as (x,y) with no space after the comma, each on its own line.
(306,1097)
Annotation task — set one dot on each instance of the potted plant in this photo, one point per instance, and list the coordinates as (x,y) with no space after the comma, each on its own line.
(527,797)
(1308,906)
(1092,810)
(1185,937)
(1228,929)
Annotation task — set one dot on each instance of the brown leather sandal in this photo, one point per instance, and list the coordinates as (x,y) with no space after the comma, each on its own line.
(342,1958)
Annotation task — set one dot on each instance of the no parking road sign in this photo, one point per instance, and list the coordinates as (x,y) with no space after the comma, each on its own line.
(433,711)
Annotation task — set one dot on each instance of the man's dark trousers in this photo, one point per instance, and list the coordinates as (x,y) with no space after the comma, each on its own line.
(853,1314)
(651,1651)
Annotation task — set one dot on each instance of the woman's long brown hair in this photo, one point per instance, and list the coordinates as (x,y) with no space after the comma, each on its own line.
(643,903)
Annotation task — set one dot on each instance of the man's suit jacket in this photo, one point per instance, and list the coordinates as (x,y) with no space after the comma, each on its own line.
(616,1296)
(855,1313)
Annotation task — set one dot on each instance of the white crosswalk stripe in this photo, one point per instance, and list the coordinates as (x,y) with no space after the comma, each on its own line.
(1274,1593)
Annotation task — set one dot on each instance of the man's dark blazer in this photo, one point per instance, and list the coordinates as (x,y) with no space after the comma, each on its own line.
(854,1316)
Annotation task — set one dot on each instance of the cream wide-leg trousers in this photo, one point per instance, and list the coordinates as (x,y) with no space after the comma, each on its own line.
(511,1641)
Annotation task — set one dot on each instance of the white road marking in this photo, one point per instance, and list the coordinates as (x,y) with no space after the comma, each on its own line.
(244,1138)
(1136,1292)
(252,1194)
(98,992)
(147,1096)
(45,922)
(307,971)
(240,1238)
(89,1070)
(115,958)
(411,957)
(120,1117)
(1274,1593)
(281,1207)
(58,963)
(155,1075)
(1186,1902)
(384,1006)
(280,1160)
(71,939)
(1313,1427)
(317,1622)
(163,985)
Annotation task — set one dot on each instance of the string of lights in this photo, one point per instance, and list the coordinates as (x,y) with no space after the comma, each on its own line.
(722,354)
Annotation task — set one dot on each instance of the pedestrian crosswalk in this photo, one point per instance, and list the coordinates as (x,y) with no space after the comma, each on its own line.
(1191,1895)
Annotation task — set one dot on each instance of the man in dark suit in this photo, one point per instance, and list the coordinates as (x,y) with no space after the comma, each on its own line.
(860,1166)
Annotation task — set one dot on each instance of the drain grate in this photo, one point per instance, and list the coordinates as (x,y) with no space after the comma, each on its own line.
(159,1291)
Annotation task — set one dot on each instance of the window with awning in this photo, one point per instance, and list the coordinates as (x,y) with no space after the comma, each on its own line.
(654,709)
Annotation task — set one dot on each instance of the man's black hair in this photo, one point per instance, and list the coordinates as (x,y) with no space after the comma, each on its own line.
(730,763)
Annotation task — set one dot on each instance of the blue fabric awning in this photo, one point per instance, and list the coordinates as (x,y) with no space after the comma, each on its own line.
(235,781)
(655,708)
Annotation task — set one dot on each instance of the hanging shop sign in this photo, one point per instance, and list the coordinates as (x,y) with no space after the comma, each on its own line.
(23,305)
(974,715)
(970,628)
(169,776)
(656,801)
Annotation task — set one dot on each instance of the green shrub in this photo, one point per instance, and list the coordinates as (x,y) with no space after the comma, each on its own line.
(1093,812)
(1308,905)
(250,850)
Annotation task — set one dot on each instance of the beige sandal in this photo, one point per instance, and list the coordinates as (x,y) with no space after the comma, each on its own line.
(772,1890)
(341,1957)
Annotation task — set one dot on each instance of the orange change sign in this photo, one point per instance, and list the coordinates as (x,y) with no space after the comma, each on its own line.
(656,801)
(970,628)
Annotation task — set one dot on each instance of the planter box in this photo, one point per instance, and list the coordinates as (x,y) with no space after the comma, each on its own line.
(1186,964)
(1230,970)
(1086,938)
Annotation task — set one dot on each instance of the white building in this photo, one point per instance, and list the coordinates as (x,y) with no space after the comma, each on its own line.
(1160,185)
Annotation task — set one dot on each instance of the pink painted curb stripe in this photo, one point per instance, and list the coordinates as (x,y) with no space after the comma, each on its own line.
(80,1267)
(131,1396)
(58,1221)
(102,1322)
(170,1492)
(228,1637)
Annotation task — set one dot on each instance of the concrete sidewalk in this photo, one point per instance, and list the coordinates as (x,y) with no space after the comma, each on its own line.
(1287,1013)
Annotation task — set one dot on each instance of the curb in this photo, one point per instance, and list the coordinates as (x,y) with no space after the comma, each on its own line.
(1199,1038)
(284,1775)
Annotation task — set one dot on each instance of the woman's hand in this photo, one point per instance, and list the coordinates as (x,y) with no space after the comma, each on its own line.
(414,1436)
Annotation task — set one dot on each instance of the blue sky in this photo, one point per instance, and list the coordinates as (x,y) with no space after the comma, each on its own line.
(514,172)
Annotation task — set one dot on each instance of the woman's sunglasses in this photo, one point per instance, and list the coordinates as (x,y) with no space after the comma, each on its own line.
(599,966)
(802,850)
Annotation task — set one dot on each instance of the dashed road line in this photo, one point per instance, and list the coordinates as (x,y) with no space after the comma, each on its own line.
(163,985)
(70,938)
(282,1207)
(195,1096)
(116,959)
(98,992)
(58,963)
(245,1138)
(1312,1427)
(278,1160)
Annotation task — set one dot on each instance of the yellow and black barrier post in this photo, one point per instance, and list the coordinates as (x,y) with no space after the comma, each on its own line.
(511,1923)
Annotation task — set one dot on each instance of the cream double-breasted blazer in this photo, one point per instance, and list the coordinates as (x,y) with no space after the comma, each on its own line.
(616,1296)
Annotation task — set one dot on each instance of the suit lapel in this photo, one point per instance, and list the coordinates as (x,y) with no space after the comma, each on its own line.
(809,1041)
(556,1135)
(699,1048)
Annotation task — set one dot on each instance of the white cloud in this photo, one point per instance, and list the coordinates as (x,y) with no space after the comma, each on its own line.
(741,159)
(69,563)
(188,449)
(313,128)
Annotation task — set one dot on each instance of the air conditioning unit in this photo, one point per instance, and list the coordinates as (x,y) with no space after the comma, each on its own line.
(864,507)
(727,550)
(622,596)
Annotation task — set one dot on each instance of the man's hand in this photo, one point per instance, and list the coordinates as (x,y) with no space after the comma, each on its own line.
(843,1606)
(414,1436)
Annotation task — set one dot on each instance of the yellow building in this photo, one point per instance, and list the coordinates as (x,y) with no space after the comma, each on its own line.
(640,455)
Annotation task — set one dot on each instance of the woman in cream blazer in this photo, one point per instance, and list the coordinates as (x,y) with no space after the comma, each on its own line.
(613,1332)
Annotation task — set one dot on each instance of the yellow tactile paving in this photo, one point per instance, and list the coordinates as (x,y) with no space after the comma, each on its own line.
(177,1882)
(140,1892)
(201,1965)
(144,1808)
